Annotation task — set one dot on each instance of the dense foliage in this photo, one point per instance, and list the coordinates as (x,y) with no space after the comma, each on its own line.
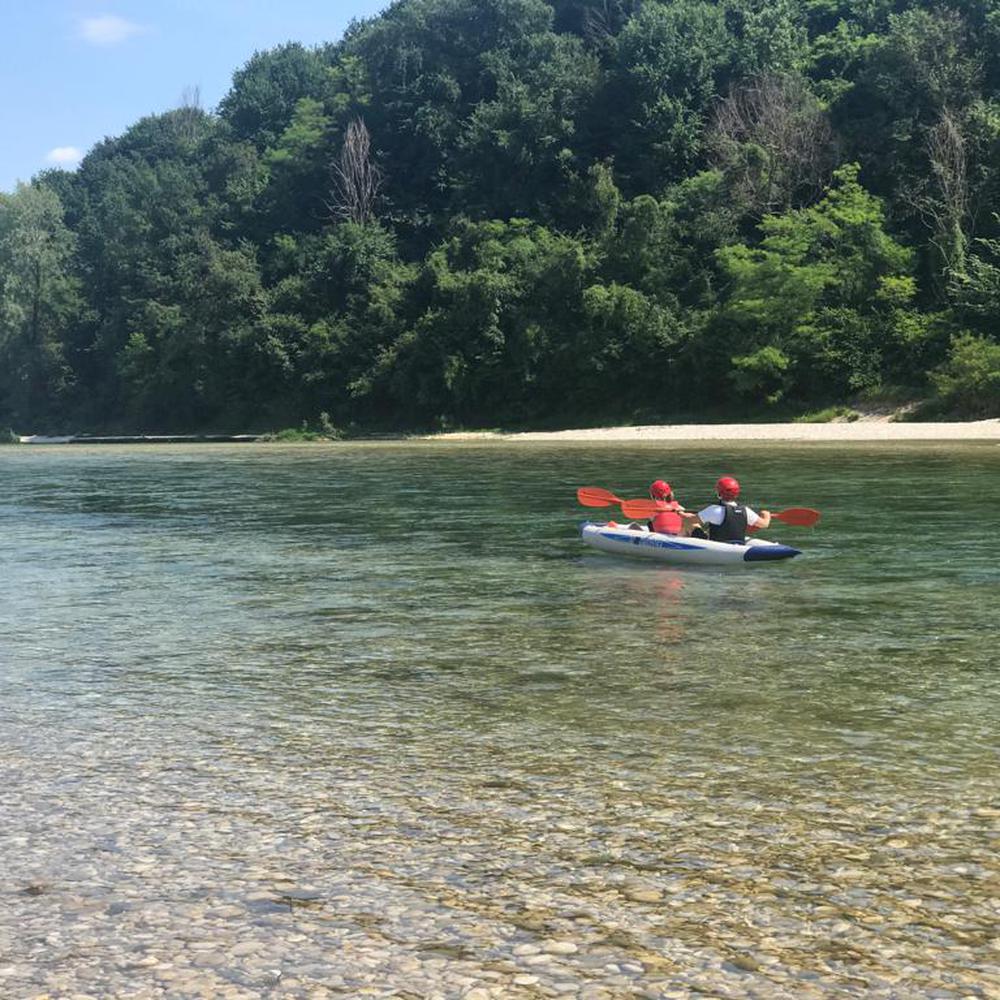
(489,212)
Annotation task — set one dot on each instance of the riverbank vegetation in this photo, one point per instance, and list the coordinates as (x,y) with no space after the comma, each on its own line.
(517,212)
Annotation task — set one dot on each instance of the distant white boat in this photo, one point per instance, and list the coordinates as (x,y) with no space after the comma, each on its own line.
(140,439)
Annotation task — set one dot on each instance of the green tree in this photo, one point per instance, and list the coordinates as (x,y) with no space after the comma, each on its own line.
(666,248)
(909,119)
(299,168)
(432,63)
(968,381)
(669,61)
(976,290)
(519,147)
(488,341)
(624,354)
(39,299)
(808,296)
(166,277)
(261,104)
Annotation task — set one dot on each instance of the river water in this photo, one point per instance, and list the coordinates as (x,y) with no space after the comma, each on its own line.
(367,720)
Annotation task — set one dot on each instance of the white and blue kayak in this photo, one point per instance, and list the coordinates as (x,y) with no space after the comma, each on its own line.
(680,550)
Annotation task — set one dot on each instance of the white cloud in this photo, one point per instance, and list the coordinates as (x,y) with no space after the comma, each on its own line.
(109,29)
(64,155)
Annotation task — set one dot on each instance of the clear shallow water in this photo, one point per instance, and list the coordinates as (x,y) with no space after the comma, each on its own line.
(314,721)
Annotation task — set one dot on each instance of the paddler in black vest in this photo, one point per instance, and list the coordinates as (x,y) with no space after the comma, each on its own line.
(727,520)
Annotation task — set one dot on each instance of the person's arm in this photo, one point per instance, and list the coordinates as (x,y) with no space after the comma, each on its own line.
(688,518)
(763,519)
(692,521)
(689,522)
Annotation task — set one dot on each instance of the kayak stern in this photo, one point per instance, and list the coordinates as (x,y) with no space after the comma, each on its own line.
(768,553)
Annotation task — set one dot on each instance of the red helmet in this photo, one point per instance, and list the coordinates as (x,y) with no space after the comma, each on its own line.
(660,490)
(727,488)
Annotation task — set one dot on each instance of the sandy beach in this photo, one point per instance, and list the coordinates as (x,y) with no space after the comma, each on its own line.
(856,431)
(870,428)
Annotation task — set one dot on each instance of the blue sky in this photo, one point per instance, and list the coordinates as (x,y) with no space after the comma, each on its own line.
(75,71)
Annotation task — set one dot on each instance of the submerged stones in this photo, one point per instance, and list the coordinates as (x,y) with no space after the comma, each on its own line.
(321,844)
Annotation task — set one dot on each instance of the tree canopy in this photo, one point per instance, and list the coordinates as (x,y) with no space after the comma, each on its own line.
(518,211)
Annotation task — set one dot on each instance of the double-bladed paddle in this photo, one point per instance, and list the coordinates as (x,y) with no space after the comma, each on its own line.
(594,496)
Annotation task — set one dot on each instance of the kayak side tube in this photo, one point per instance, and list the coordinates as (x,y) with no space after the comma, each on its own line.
(681,550)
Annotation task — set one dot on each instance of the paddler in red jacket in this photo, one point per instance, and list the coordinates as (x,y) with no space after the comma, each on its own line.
(669,521)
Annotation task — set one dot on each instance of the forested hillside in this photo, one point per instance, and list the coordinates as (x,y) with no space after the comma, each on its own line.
(507,212)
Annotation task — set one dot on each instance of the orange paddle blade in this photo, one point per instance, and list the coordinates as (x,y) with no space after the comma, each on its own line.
(802,517)
(594,496)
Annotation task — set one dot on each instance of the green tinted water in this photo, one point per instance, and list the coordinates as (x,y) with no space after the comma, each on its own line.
(326,719)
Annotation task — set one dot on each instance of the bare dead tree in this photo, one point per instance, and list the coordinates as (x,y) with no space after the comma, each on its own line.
(946,209)
(942,199)
(356,177)
(189,113)
(773,141)
(191,97)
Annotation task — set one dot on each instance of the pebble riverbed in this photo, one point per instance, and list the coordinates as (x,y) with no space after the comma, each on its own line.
(198,874)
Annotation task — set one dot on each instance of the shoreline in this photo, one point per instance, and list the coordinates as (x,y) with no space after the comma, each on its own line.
(865,430)
(856,431)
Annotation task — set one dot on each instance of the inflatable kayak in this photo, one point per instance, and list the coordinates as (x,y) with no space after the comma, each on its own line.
(680,550)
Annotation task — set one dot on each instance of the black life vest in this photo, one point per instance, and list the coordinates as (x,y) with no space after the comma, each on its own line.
(733,527)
